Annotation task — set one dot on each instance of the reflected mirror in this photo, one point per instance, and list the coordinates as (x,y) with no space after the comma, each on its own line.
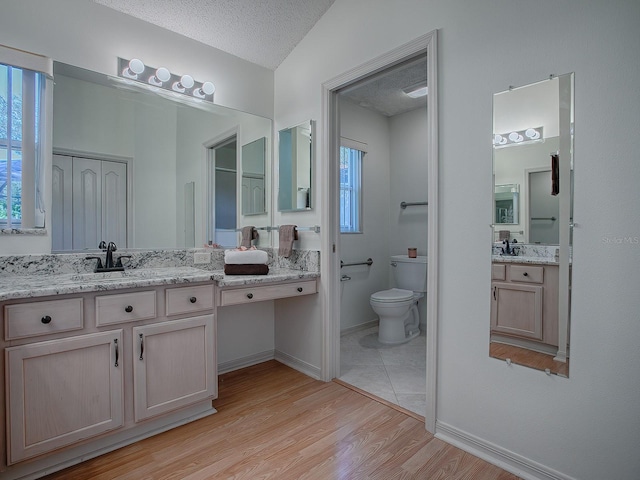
(139,168)
(253,179)
(532,221)
(294,161)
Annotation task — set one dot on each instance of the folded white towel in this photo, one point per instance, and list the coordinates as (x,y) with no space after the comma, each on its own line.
(239,257)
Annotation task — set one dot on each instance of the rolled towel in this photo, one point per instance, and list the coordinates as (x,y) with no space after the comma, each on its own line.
(287,234)
(246,257)
(246,269)
(248,233)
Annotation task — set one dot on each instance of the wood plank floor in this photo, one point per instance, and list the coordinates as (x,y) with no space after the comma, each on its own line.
(529,358)
(276,423)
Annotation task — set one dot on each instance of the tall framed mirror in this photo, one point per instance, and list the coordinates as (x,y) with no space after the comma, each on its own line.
(295,156)
(532,209)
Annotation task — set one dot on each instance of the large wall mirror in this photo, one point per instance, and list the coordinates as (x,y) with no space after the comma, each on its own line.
(295,164)
(137,168)
(532,210)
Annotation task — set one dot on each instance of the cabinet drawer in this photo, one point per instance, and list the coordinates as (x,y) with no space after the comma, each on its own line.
(189,299)
(125,307)
(526,273)
(42,318)
(267,292)
(498,272)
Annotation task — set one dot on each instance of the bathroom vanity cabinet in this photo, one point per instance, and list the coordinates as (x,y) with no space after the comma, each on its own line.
(86,373)
(524,302)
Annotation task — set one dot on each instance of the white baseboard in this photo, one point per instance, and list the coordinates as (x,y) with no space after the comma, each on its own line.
(297,364)
(496,455)
(362,326)
(247,361)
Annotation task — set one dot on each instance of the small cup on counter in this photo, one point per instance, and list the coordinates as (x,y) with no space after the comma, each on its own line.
(412,252)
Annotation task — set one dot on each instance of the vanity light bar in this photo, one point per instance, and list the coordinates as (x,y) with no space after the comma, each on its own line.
(137,71)
(517,137)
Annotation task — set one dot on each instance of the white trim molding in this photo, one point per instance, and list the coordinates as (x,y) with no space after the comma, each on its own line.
(496,455)
(297,364)
(238,363)
(426,44)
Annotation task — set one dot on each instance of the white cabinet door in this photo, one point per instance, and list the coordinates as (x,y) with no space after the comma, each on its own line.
(63,391)
(173,365)
(62,208)
(517,310)
(89,203)
(114,203)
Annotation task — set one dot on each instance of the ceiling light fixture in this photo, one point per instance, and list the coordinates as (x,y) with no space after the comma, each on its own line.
(162,78)
(416,91)
(518,137)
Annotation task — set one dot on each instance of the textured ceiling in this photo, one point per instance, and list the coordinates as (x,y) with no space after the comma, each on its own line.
(383,92)
(260,31)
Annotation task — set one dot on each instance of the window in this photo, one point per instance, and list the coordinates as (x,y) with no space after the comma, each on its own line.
(21,135)
(350,189)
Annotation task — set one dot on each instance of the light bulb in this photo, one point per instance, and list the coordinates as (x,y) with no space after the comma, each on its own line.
(207,88)
(532,133)
(515,137)
(161,76)
(134,68)
(186,81)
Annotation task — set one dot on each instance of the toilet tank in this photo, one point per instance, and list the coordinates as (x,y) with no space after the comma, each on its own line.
(410,273)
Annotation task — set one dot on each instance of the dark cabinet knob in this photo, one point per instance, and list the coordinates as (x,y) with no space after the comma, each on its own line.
(193,299)
(46,319)
(128,309)
(249,295)
(525,274)
(300,289)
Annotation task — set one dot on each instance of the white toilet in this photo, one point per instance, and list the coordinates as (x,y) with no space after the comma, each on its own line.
(398,307)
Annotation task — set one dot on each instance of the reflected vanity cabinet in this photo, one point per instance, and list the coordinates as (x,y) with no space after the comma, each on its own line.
(524,302)
(86,372)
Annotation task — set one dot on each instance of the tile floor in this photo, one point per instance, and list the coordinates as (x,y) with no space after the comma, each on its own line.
(395,373)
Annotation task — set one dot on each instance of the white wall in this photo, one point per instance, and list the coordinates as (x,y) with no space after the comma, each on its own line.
(408,182)
(586,426)
(245,331)
(365,126)
(91,36)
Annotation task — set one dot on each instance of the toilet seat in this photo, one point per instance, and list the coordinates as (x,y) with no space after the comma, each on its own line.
(393,295)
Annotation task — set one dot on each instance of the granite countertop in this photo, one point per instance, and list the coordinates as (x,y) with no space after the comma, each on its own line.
(525,259)
(30,286)
(275,275)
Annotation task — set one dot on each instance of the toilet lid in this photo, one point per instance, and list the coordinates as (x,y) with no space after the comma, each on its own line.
(392,295)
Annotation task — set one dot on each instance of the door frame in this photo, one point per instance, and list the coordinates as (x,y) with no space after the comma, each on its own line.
(208,173)
(330,240)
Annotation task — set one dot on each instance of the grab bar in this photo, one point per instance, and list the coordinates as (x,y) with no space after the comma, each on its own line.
(314,228)
(367,262)
(404,205)
(553,219)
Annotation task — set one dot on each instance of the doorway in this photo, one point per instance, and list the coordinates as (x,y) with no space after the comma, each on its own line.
(544,209)
(383,163)
(222,201)
(425,45)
